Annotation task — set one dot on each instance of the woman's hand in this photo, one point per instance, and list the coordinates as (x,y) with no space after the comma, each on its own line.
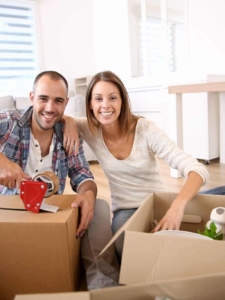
(174,215)
(172,219)
(71,140)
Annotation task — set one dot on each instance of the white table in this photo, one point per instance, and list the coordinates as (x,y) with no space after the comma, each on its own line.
(210,87)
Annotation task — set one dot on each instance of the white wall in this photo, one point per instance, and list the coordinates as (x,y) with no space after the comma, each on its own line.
(67,36)
(206,36)
(111,36)
(82,37)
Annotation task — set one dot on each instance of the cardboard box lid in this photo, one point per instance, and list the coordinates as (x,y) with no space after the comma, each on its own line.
(135,223)
(58,296)
(201,287)
(195,288)
(12,209)
(150,258)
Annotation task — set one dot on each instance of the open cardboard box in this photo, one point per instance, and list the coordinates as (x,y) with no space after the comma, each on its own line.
(151,258)
(196,288)
(173,267)
(39,253)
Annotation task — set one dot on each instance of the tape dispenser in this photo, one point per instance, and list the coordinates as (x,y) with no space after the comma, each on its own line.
(34,193)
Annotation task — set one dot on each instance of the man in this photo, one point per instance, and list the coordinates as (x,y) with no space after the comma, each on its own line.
(31,142)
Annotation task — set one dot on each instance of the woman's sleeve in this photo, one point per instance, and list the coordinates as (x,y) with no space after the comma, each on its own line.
(167,150)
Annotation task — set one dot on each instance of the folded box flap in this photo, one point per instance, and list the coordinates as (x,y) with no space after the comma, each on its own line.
(58,296)
(151,258)
(11,202)
(205,287)
(62,201)
(136,221)
(14,202)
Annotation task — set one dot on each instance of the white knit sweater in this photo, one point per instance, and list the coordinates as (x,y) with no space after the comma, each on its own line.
(131,180)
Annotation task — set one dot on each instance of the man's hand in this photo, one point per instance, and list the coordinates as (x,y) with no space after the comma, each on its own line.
(86,202)
(86,197)
(71,140)
(11,173)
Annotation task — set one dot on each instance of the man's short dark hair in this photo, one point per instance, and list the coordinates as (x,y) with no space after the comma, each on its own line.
(53,75)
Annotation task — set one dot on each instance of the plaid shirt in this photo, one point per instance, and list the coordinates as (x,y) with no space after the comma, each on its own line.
(15,142)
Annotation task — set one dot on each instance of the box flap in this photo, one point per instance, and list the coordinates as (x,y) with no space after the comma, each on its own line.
(58,296)
(134,221)
(19,214)
(151,258)
(11,202)
(14,202)
(206,287)
(134,292)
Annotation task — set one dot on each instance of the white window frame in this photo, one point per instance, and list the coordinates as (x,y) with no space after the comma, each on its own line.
(21,85)
(162,77)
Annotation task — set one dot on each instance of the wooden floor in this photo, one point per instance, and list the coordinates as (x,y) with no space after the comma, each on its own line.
(216,171)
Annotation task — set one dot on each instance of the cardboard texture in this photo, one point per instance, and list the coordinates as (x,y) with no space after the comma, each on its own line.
(166,266)
(59,296)
(39,253)
(151,258)
(197,288)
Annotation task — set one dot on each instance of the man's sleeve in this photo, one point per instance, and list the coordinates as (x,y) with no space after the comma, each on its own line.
(6,124)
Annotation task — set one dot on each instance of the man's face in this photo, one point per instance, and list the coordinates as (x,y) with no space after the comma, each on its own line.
(49,102)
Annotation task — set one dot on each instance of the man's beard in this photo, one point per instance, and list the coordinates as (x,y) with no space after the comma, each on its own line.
(41,126)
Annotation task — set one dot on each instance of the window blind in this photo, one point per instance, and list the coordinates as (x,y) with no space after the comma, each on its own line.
(18,55)
(176,46)
(154,43)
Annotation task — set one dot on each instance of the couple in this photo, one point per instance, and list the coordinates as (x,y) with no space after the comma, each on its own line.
(126,146)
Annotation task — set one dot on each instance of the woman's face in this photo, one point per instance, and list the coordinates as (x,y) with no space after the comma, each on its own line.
(106,102)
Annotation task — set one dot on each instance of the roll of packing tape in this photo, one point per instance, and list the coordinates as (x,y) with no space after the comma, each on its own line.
(50,179)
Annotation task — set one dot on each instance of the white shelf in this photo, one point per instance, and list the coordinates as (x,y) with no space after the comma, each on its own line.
(81,85)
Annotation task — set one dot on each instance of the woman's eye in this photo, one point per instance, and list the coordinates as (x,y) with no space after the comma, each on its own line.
(113,98)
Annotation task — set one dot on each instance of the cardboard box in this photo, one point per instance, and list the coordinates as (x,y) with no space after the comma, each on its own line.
(39,253)
(173,267)
(151,258)
(196,288)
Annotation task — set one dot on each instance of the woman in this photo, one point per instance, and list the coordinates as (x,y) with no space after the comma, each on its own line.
(127,147)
